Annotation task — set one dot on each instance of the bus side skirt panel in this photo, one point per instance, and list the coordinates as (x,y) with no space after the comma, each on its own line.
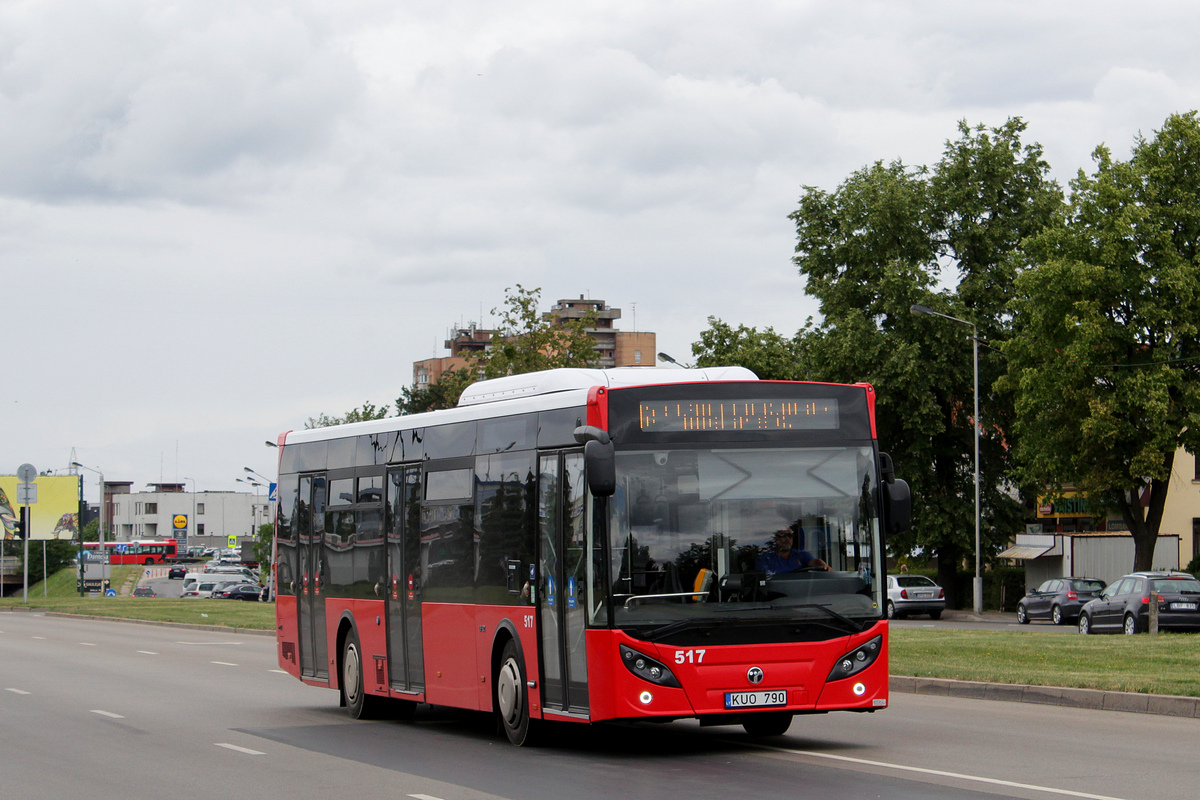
(286,635)
(451,668)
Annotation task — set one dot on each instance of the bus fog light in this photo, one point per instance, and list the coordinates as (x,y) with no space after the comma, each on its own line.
(646,698)
(859,689)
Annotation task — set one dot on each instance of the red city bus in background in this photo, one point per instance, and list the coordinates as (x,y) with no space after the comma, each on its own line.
(141,551)
(593,545)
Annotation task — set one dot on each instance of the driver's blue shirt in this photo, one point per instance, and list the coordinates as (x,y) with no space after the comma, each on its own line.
(772,563)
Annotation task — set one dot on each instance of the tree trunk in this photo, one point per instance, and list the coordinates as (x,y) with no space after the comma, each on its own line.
(1145,528)
(948,558)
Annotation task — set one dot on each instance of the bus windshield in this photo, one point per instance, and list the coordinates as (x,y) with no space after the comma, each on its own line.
(745,535)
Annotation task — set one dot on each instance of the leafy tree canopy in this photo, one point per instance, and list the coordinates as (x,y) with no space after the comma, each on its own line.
(1105,360)
(361,414)
(767,354)
(526,340)
(891,236)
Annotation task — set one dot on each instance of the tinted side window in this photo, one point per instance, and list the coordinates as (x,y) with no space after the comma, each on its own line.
(504,505)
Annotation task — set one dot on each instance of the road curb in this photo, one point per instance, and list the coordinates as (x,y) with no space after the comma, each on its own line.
(1096,699)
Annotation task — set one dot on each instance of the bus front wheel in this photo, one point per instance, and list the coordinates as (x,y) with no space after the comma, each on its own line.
(768,723)
(512,696)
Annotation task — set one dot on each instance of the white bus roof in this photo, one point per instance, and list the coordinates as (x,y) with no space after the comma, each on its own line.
(560,380)
(533,391)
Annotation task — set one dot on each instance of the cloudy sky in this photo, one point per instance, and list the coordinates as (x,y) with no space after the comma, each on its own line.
(219,218)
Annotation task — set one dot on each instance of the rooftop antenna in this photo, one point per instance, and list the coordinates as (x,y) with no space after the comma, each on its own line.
(634,307)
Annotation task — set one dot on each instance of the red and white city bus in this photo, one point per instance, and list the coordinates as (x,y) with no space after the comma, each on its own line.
(593,545)
(141,551)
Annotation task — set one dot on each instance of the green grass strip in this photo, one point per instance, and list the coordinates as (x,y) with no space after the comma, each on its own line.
(1165,664)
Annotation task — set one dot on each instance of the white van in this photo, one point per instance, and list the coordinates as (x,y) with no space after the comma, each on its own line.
(205,585)
(240,572)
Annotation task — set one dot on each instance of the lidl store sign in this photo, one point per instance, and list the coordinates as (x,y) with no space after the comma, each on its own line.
(180,522)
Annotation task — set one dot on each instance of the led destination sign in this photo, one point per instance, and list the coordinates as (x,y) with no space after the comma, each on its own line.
(738,415)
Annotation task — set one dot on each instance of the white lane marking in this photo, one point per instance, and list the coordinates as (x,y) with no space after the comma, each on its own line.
(424,797)
(87,644)
(224,663)
(17,691)
(941,773)
(207,643)
(109,714)
(280,671)
(148,652)
(245,750)
(40,637)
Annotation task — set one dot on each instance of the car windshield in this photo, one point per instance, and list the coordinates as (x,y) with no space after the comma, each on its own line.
(741,534)
(909,581)
(1177,585)
(1087,586)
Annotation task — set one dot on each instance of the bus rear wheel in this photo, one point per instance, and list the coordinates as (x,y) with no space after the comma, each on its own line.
(768,723)
(512,697)
(359,704)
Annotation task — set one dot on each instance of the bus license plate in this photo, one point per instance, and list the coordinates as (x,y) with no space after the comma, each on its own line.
(756,699)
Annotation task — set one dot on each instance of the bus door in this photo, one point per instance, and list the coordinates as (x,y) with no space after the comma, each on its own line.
(406,668)
(563,600)
(314,657)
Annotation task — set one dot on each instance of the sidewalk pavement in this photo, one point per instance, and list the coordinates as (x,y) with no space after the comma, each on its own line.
(1097,699)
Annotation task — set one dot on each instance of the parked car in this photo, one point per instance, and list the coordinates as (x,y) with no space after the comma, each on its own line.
(1124,605)
(1058,600)
(242,591)
(177,571)
(914,594)
(143,591)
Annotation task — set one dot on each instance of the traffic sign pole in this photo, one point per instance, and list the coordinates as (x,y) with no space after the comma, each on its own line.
(27,493)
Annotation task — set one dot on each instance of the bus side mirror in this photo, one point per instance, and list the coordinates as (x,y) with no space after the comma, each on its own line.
(601,463)
(899,505)
(599,460)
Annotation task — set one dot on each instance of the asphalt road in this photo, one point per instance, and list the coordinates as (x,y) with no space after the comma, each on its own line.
(111,709)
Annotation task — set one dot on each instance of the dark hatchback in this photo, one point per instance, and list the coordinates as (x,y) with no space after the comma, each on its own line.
(244,591)
(1058,600)
(1124,605)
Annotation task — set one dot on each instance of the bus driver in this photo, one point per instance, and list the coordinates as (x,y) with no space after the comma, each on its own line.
(783,558)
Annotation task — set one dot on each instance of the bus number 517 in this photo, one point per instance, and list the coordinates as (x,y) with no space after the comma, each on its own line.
(689,656)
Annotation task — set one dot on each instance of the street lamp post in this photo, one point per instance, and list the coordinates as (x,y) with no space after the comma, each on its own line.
(254,507)
(978,583)
(666,359)
(100,522)
(190,531)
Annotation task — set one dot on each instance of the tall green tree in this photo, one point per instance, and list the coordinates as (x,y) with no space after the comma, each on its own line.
(1105,364)
(526,340)
(946,237)
(436,396)
(769,355)
(360,414)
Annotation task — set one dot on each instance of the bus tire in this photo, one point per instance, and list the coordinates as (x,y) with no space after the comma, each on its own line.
(512,696)
(359,704)
(768,723)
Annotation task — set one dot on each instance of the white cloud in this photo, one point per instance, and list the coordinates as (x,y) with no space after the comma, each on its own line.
(220,218)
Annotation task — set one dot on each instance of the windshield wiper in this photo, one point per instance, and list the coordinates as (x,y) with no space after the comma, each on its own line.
(685,624)
(846,623)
